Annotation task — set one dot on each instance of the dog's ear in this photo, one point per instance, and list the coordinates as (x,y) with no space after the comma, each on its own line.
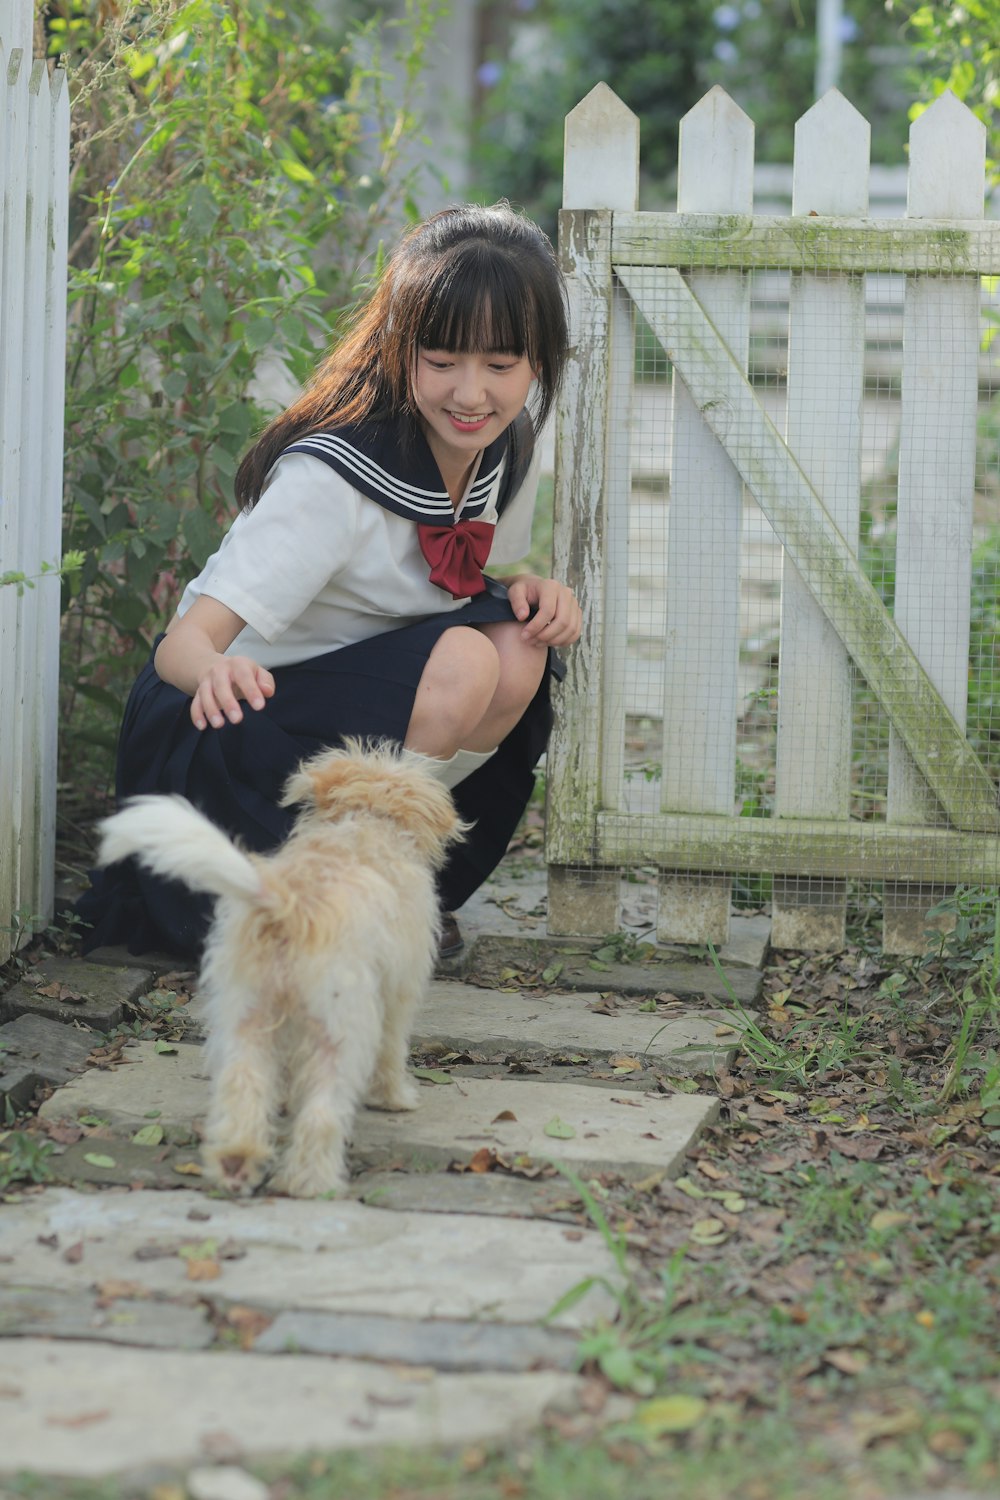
(298,788)
(318,778)
(419,805)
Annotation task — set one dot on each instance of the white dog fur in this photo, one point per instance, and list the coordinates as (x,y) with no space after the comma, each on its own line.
(317,957)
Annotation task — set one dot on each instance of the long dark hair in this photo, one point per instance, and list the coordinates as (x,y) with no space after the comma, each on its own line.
(471,280)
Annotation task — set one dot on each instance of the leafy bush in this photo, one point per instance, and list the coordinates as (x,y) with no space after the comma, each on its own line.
(235,165)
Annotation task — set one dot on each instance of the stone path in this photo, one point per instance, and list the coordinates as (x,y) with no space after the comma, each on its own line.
(413,1311)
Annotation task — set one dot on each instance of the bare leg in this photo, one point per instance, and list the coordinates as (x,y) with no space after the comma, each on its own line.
(522,665)
(475,687)
(454,693)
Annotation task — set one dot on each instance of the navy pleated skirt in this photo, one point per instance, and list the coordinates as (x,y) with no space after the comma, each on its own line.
(236,774)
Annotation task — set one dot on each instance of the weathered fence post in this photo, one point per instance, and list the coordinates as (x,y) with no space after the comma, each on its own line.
(584,764)
(34,177)
(937,462)
(701,653)
(826,351)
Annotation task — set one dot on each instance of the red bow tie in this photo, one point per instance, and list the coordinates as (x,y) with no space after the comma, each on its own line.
(456,555)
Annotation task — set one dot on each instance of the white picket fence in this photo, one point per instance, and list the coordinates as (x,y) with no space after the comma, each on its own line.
(34,178)
(784,463)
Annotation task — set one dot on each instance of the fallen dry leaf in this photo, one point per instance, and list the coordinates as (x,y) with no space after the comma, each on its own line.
(74,1254)
(483,1160)
(56,991)
(111,1291)
(249,1323)
(709,1169)
(622,1063)
(847,1361)
(80,1419)
(203,1270)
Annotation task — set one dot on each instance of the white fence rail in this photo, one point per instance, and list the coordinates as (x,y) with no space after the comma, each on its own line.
(722,514)
(34,178)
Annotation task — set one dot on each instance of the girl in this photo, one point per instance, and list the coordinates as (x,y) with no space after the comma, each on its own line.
(348,598)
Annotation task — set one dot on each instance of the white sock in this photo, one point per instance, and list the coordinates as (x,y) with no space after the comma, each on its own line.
(462,764)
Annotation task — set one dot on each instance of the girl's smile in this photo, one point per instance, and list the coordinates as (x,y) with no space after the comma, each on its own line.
(465,401)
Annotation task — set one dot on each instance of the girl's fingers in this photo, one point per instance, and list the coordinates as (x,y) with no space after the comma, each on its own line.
(204,708)
(219,692)
(558,619)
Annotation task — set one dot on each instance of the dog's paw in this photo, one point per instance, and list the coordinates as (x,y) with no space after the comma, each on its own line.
(403,1094)
(239,1172)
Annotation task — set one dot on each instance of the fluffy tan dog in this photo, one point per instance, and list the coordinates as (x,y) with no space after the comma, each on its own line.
(317,957)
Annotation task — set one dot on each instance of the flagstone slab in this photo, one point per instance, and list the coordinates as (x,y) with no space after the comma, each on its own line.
(687,978)
(101,992)
(586,1128)
(121,1163)
(43,1312)
(35,1051)
(513,903)
(54,1050)
(564,1024)
(469,1193)
(169,1089)
(442,1344)
(612,1130)
(282,1253)
(88,1410)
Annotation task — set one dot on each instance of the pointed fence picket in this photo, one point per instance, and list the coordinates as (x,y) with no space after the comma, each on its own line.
(798,455)
(34,190)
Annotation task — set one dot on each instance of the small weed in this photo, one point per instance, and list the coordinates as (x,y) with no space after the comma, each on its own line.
(651,1334)
(811,1050)
(24,1158)
(623,948)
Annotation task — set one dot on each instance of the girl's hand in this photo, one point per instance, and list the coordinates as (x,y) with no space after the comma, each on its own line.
(228,679)
(557,620)
(192,657)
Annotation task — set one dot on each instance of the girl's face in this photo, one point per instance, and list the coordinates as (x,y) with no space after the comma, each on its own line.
(466,401)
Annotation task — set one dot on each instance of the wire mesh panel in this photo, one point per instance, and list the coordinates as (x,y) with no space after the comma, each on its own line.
(798,600)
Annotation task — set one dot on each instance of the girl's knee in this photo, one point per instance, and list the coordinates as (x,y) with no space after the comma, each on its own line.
(455,691)
(463,661)
(521,666)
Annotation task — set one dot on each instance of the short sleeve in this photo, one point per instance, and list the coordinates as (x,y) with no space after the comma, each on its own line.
(279,556)
(512,538)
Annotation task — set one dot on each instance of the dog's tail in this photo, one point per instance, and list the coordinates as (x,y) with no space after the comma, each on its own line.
(171,838)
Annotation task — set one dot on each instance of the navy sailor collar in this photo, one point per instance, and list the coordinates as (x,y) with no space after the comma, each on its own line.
(374,457)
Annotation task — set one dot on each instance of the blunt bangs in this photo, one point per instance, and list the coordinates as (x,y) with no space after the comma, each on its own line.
(479,303)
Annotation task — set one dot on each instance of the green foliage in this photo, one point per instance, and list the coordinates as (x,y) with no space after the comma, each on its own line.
(660,57)
(651,52)
(24,1158)
(959,48)
(234,167)
(70,564)
(760,45)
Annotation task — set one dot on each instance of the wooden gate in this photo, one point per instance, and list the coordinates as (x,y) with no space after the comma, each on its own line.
(692,275)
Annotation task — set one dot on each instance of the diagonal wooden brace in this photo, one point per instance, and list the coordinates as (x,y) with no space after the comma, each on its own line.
(816,547)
